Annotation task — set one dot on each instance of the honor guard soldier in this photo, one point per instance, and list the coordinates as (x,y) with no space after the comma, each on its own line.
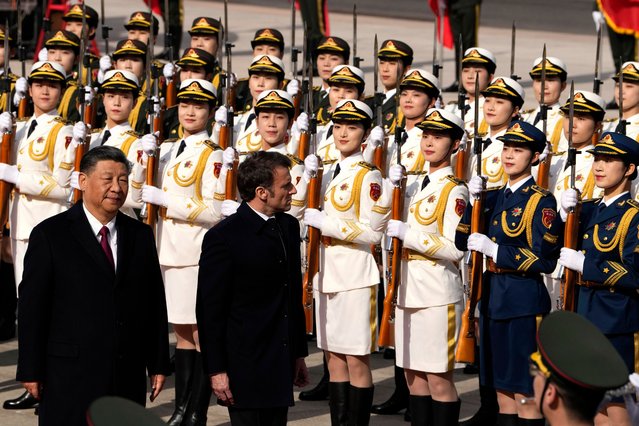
(503,100)
(418,92)
(190,195)
(267,41)
(605,258)
(330,52)
(520,243)
(573,368)
(139,27)
(630,92)
(18,90)
(429,302)
(205,34)
(589,110)
(480,61)
(63,47)
(265,73)
(353,218)
(73,23)
(555,84)
(274,110)
(194,64)
(41,162)
(130,55)
(395,59)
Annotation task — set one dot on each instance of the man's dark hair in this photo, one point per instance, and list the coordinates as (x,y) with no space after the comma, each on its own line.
(581,404)
(103,153)
(258,169)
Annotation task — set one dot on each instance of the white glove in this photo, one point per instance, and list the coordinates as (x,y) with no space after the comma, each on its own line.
(631,405)
(311,165)
(376,137)
(89,93)
(396,229)
(483,244)
(293,88)
(157,104)
(21,88)
(228,157)
(314,218)
(569,199)
(105,63)
(79,134)
(43,54)
(545,153)
(153,195)
(229,207)
(572,259)
(75,180)
(438,103)
(6,122)
(149,143)
(168,70)
(220,115)
(395,174)
(302,122)
(464,142)
(598,19)
(232,80)
(475,187)
(9,173)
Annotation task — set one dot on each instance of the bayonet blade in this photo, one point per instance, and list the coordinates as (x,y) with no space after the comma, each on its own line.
(621,127)
(542,101)
(597,81)
(477,142)
(572,153)
(512,53)
(6,77)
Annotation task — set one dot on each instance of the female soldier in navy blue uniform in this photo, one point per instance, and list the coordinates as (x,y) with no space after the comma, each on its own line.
(608,256)
(522,230)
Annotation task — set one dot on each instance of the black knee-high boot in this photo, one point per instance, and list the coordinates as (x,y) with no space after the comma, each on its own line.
(421,410)
(198,406)
(531,422)
(446,413)
(507,420)
(359,405)
(320,391)
(338,402)
(184,361)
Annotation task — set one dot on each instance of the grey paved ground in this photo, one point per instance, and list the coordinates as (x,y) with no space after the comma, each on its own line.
(568,33)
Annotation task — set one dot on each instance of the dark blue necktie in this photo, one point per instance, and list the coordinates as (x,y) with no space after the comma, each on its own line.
(425,182)
(507,193)
(181,148)
(249,121)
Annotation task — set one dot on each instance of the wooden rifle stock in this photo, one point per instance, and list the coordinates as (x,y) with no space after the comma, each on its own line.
(312,251)
(5,187)
(543,172)
(379,159)
(297,102)
(465,351)
(304,146)
(231,181)
(22,108)
(152,171)
(171,94)
(460,163)
(223,139)
(79,153)
(386,331)
(570,276)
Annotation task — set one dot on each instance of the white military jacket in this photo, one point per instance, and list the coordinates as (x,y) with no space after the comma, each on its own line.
(490,162)
(632,126)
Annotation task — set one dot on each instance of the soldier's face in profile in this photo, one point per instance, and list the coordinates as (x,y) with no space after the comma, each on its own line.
(630,93)
(262,81)
(553,88)
(104,188)
(583,127)
(207,43)
(135,64)
(272,126)
(414,103)
(118,105)
(468,77)
(267,49)
(499,111)
(348,137)
(326,62)
(64,57)
(45,95)
(339,92)
(437,147)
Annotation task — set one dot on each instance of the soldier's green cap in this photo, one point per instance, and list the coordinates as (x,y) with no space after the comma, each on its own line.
(334,45)
(198,58)
(268,36)
(117,411)
(205,25)
(129,48)
(63,39)
(573,351)
(395,49)
(75,14)
(142,20)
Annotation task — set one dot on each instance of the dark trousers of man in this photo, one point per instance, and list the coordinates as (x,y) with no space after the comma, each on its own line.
(464,20)
(623,46)
(315,20)
(176,19)
(258,416)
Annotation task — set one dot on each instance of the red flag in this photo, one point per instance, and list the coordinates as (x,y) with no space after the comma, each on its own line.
(621,15)
(155,6)
(447,32)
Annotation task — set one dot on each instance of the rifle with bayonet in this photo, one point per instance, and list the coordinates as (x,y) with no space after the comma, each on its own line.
(297,99)
(105,28)
(621,127)
(85,106)
(231,175)
(7,138)
(379,154)
(596,84)
(462,153)
(571,229)
(436,65)
(513,36)
(393,273)
(356,59)
(465,351)
(149,211)
(22,57)
(307,96)
(543,172)
(171,89)
(313,235)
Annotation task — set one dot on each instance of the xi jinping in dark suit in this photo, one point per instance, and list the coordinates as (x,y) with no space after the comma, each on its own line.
(249,299)
(92,312)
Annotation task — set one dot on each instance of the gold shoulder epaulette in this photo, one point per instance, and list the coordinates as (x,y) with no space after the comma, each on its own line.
(609,120)
(495,188)
(329,161)
(416,172)
(455,180)
(528,111)
(541,190)
(591,200)
(97,130)
(294,159)
(366,165)
(23,118)
(634,204)
(170,140)
(72,82)
(315,88)
(212,145)
(133,133)
(13,76)
(62,120)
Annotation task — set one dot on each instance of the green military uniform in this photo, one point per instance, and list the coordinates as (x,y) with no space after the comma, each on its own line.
(175,22)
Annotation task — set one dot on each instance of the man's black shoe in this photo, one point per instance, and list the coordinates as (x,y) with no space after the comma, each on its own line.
(318,393)
(23,402)
(452,88)
(393,405)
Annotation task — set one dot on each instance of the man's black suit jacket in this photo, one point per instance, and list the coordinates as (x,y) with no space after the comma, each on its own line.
(249,306)
(85,330)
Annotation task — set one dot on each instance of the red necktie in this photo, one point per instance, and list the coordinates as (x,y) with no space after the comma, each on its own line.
(106,248)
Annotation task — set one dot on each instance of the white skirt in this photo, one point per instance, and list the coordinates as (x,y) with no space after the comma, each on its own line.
(180,287)
(346,321)
(425,339)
